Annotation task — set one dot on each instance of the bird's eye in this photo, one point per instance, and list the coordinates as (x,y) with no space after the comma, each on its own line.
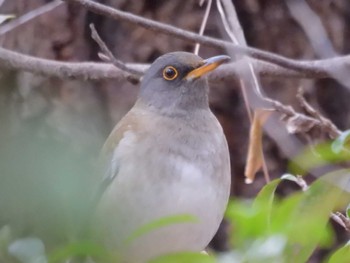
(170,73)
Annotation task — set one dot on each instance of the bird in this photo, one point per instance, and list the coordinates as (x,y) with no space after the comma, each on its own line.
(167,157)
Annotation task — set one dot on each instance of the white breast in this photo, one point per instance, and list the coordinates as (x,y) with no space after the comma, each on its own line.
(148,188)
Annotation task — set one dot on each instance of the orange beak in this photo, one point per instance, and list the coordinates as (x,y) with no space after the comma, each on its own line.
(208,65)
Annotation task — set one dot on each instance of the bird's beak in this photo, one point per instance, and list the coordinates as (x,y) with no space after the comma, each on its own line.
(208,65)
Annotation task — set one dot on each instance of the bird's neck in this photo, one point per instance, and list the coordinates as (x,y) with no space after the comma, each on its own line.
(175,110)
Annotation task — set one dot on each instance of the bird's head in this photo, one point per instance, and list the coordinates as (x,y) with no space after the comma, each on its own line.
(176,81)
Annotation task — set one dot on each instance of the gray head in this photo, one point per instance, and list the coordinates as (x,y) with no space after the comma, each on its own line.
(175,82)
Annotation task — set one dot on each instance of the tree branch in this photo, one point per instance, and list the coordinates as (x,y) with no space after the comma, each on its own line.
(306,67)
(98,71)
(76,70)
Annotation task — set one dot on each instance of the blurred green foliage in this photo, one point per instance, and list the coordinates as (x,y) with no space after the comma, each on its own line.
(46,186)
(162,222)
(283,230)
(322,154)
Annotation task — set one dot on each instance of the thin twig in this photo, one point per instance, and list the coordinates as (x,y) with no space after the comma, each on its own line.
(228,29)
(338,218)
(204,23)
(345,220)
(29,16)
(306,106)
(326,124)
(109,57)
(301,123)
(131,74)
(234,39)
(302,183)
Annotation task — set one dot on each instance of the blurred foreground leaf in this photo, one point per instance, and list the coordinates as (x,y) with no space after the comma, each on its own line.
(296,224)
(184,257)
(28,250)
(46,186)
(342,255)
(342,142)
(80,250)
(319,155)
(266,197)
(162,222)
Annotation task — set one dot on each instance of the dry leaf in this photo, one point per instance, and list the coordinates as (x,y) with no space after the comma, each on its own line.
(255,154)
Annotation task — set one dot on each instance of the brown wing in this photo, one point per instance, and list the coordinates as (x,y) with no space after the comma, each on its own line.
(110,167)
(129,121)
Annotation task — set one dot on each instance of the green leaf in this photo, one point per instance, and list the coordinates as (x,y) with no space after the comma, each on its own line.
(267,196)
(342,255)
(4,18)
(284,211)
(348,211)
(80,249)
(184,257)
(313,157)
(162,222)
(300,220)
(251,221)
(267,193)
(339,144)
(307,227)
(248,222)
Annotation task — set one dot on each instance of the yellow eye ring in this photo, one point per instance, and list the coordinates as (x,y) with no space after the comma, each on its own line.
(170,73)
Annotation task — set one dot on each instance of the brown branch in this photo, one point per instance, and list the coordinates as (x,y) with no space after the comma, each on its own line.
(98,71)
(299,66)
(77,70)
(130,74)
